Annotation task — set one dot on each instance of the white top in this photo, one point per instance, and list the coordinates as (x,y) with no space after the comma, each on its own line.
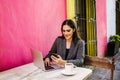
(31,72)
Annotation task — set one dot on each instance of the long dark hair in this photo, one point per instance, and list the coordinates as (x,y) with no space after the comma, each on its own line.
(70,23)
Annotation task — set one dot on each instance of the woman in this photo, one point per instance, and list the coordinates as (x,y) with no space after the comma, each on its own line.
(69,48)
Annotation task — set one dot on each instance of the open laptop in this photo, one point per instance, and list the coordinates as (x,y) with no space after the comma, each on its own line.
(38,61)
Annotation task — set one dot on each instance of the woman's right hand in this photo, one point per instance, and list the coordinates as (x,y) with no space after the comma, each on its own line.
(47,62)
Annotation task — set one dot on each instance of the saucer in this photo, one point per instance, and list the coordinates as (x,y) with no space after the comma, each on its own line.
(68,74)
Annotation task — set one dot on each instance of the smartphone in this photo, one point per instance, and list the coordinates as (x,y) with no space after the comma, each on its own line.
(56,55)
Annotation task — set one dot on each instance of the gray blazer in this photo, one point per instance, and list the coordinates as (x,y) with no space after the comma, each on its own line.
(76,53)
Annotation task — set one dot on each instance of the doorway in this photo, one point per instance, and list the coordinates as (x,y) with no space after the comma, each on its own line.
(85,17)
(118,17)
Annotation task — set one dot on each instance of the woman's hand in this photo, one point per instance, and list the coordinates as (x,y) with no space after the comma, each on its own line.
(58,60)
(47,62)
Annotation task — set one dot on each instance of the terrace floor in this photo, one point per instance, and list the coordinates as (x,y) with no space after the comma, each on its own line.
(104,74)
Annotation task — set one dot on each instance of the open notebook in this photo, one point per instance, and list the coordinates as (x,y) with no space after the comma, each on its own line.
(38,61)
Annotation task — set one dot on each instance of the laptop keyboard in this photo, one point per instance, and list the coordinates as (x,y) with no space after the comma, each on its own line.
(49,67)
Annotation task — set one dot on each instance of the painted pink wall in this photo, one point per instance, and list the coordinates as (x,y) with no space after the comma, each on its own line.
(101,27)
(26,24)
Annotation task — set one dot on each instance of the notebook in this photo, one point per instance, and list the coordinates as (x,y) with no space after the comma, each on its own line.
(38,61)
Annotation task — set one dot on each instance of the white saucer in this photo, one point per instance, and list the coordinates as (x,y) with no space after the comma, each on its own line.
(68,74)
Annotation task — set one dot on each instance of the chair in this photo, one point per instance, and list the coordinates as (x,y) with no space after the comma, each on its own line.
(101,62)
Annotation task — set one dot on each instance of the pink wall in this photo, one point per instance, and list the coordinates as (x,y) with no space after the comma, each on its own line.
(26,24)
(101,27)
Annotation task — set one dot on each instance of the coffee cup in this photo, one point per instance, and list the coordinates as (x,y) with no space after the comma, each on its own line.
(69,68)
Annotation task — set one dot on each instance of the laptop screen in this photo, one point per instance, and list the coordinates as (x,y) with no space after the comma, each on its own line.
(38,61)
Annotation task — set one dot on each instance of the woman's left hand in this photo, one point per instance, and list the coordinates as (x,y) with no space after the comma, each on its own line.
(58,60)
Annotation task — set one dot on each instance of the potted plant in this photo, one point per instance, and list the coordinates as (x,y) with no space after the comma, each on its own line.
(115,38)
(113,45)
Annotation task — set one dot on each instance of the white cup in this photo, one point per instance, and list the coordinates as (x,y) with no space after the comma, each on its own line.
(69,68)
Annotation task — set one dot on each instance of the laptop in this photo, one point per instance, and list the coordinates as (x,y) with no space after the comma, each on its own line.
(38,61)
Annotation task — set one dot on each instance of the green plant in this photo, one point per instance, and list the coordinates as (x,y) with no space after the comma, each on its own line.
(115,38)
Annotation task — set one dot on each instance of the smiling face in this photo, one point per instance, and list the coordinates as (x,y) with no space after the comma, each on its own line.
(67,32)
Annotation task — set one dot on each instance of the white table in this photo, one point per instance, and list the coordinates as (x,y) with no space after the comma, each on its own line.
(31,72)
